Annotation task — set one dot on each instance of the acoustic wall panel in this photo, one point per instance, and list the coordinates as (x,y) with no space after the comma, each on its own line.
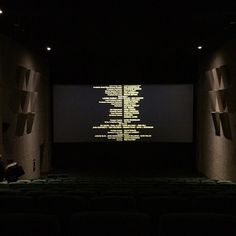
(216,122)
(27,80)
(33,102)
(22,77)
(20,125)
(222,100)
(24,101)
(33,81)
(224,77)
(28,83)
(36,81)
(30,122)
(210,80)
(218,78)
(225,122)
(219,82)
(213,101)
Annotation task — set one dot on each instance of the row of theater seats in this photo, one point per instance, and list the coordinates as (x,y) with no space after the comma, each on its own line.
(137,190)
(118,224)
(138,193)
(65,205)
(151,198)
(107,180)
(122,181)
(61,205)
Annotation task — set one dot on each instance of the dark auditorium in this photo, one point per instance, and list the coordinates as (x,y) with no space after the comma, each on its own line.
(117,118)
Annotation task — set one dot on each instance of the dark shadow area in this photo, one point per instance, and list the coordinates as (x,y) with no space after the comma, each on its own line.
(137,159)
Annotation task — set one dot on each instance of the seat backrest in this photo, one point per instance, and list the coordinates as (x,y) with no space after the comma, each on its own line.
(196,224)
(16,203)
(110,224)
(28,224)
(157,206)
(61,204)
(112,203)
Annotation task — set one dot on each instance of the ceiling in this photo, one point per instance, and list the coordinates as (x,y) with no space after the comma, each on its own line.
(120,41)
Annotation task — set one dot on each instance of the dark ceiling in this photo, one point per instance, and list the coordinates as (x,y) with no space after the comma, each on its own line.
(120,41)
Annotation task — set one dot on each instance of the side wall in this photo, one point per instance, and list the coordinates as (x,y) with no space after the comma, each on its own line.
(24,109)
(216,126)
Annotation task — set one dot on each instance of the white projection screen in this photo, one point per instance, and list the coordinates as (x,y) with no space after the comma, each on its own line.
(123,113)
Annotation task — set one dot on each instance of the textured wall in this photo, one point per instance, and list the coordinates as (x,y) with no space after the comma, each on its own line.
(216,114)
(1,102)
(24,91)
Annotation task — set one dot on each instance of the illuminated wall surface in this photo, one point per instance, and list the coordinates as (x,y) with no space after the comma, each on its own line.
(124,122)
(118,113)
(217,114)
(25,108)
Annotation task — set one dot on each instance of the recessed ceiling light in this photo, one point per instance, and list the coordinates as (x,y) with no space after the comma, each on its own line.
(1,11)
(49,48)
(199,47)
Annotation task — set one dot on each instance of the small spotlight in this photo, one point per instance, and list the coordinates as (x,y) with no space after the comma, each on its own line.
(49,48)
(1,11)
(199,47)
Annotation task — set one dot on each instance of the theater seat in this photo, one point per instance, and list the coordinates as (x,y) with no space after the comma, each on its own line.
(197,224)
(157,206)
(28,224)
(110,224)
(82,193)
(16,204)
(215,204)
(61,204)
(113,203)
